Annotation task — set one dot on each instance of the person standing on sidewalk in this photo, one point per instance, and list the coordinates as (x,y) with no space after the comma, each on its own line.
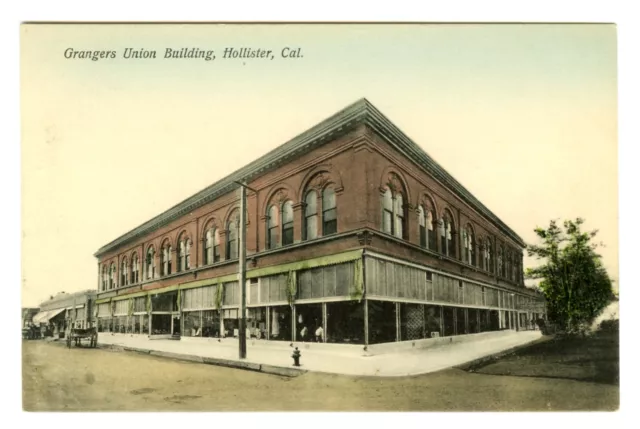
(319,334)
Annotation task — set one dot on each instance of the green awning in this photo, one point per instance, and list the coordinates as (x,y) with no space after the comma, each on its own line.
(306,264)
(209,282)
(132,295)
(259,272)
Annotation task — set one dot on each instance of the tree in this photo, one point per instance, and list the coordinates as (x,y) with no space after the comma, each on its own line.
(573,280)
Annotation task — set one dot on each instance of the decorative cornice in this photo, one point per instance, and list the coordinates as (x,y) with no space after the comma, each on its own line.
(346,120)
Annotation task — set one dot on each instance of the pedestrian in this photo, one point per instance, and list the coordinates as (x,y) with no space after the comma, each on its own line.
(319,334)
(303,333)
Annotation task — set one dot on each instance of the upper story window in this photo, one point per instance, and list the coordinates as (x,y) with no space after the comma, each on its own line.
(311,215)
(212,245)
(184,252)
(287,223)
(329,212)
(151,263)
(272,227)
(469,241)
(446,232)
(393,213)
(112,276)
(105,277)
(501,271)
(232,236)
(427,233)
(508,273)
(166,258)
(487,255)
(135,269)
(124,272)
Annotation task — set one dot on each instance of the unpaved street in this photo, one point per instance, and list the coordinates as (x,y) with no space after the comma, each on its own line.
(57,379)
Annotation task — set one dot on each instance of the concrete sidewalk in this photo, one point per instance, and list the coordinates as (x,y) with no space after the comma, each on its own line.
(275,358)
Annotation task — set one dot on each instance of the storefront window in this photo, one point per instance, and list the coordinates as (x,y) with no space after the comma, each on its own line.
(474,327)
(411,322)
(280,323)
(211,323)
(231,323)
(130,324)
(448,321)
(257,322)
(192,326)
(345,322)
(308,320)
(432,321)
(382,322)
(136,324)
(145,324)
(461,322)
(161,324)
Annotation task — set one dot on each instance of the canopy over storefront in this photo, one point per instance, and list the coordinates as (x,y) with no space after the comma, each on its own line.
(45,316)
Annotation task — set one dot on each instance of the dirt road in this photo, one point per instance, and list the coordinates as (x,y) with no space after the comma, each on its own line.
(59,379)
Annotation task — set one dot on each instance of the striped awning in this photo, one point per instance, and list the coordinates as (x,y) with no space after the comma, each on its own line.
(45,316)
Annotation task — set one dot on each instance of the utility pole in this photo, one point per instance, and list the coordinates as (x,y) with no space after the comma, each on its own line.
(242,268)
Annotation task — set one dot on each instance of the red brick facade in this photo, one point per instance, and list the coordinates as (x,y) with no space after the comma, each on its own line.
(358,166)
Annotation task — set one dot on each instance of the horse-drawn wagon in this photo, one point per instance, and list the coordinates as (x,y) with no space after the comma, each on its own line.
(77,335)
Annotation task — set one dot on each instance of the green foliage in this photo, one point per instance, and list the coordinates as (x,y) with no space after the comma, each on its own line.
(574,282)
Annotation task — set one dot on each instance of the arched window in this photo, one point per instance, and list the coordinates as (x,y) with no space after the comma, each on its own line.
(272,227)
(487,255)
(287,223)
(329,213)
(423,228)
(208,247)
(188,254)
(446,231)
(166,258)
(124,271)
(151,263)
(112,276)
(184,252)
(501,261)
(399,216)
(469,246)
(216,245)
(212,246)
(431,234)
(393,216)
(105,277)
(387,212)
(311,215)
(232,237)
(135,269)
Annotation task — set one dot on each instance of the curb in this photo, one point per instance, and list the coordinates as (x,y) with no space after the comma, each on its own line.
(228,363)
(485,360)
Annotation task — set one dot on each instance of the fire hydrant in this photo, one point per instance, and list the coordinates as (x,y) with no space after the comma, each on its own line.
(296,357)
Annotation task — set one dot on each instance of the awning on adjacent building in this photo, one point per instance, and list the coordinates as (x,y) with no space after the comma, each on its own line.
(45,316)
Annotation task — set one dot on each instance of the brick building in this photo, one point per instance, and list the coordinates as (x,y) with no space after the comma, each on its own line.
(352,228)
(65,310)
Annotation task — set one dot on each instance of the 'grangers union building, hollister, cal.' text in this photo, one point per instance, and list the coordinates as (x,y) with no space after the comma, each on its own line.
(353,228)
(184,53)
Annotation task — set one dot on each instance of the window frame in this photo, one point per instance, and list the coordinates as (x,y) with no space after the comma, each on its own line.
(310,214)
(329,227)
